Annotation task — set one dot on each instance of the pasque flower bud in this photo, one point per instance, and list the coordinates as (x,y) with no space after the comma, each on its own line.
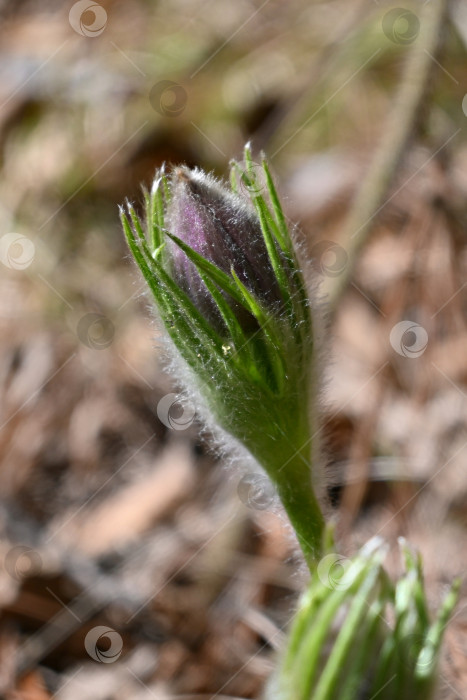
(220,226)
(230,292)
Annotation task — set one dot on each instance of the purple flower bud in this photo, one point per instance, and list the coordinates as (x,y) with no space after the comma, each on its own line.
(220,226)
(231,296)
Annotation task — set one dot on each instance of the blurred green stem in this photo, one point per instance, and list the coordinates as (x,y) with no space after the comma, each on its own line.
(407,103)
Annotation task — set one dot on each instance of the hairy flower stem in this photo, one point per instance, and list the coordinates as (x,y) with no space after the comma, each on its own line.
(299,500)
(284,449)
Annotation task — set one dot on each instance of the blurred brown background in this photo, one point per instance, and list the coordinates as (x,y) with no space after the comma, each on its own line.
(132,563)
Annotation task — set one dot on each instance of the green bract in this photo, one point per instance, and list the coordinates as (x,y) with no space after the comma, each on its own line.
(356,635)
(230,292)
